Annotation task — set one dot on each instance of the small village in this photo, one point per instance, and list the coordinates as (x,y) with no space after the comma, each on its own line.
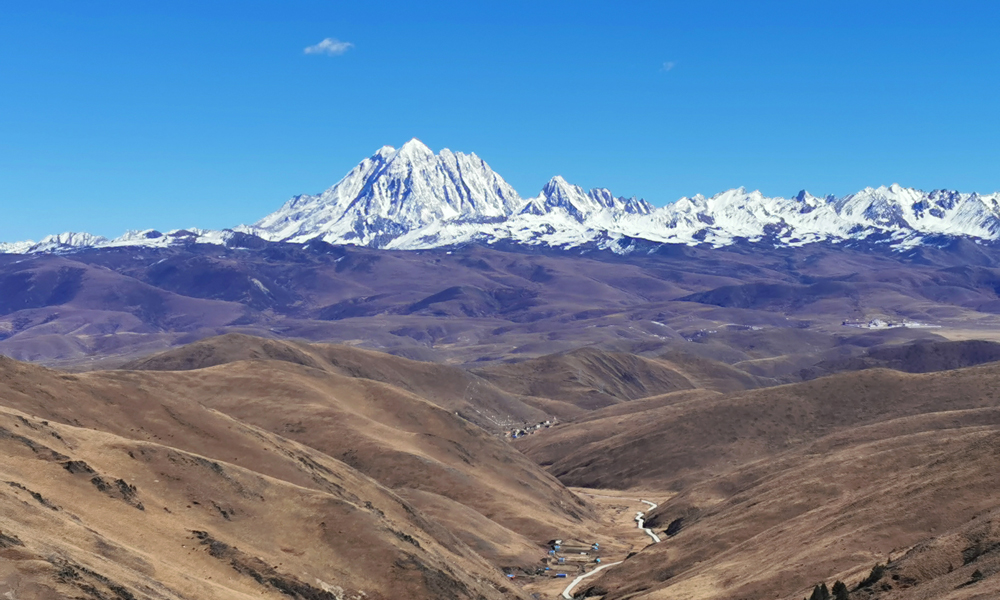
(570,557)
(520,432)
(885,324)
(564,559)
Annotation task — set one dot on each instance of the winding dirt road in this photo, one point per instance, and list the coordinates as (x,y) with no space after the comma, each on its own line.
(640,520)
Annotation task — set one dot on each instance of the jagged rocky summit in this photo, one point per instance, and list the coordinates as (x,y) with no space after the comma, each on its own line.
(412,198)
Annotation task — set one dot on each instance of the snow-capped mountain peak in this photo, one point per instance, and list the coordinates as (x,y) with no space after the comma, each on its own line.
(414,150)
(411,198)
(67,241)
(559,194)
(393,193)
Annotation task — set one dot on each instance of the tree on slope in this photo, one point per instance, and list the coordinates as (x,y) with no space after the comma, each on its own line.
(840,591)
(820,592)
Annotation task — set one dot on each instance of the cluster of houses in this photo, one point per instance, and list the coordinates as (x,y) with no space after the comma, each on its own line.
(566,558)
(570,557)
(523,431)
(884,324)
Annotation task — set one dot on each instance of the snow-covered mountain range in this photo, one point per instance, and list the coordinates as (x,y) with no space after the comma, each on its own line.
(410,198)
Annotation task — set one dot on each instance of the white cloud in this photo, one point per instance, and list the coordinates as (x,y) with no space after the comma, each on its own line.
(669,66)
(330,46)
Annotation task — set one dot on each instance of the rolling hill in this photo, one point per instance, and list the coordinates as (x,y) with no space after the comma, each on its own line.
(771,491)
(269,472)
(759,309)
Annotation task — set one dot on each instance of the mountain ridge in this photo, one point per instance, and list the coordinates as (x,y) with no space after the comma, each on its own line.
(411,198)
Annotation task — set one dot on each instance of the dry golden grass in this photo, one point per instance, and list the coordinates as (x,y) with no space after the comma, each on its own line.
(91,514)
(786,487)
(270,468)
(297,472)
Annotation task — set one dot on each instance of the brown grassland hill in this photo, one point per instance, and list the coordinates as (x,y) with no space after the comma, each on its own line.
(588,378)
(270,472)
(772,491)
(451,388)
(90,514)
(238,466)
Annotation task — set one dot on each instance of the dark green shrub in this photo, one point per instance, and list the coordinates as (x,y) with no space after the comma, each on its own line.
(876,574)
(820,592)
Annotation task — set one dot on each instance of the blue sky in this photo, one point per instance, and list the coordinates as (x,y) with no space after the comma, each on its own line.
(117,115)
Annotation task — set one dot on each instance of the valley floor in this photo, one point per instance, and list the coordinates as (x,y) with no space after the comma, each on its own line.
(619,535)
